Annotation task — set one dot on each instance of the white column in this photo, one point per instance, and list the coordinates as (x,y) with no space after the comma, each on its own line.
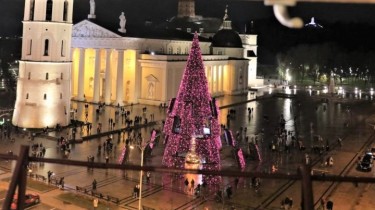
(212,79)
(108,77)
(217,79)
(97,76)
(72,73)
(120,78)
(221,79)
(81,74)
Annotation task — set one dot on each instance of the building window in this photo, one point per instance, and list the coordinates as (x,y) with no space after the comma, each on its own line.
(46,76)
(46,46)
(27,96)
(30,47)
(62,49)
(186,50)
(188,30)
(170,50)
(61,76)
(49,10)
(65,15)
(32,7)
(45,97)
(178,50)
(201,30)
(29,76)
(60,95)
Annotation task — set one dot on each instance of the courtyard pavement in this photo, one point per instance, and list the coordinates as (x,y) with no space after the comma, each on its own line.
(168,191)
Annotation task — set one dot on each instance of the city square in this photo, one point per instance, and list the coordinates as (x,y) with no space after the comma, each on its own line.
(118,129)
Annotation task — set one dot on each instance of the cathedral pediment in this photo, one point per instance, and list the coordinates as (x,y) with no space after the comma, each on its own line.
(89,29)
(151,78)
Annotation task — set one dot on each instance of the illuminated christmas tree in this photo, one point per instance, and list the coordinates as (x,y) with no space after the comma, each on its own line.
(193,113)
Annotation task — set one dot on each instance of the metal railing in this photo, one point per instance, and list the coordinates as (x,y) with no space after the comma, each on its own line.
(303,174)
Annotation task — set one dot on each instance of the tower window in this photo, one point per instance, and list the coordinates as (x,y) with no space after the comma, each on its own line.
(62,49)
(60,95)
(27,96)
(30,47)
(65,15)
(46,46)
(29,76)
(32,6)
(61,76)
(49,10)
(46,76)
(45,97)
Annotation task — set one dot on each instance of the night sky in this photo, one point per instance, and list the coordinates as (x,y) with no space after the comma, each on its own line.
(350,25)
(240,11)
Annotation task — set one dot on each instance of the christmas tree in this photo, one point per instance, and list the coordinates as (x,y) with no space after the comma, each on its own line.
(193,113)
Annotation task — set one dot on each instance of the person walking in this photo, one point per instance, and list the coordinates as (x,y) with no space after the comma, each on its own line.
(329,205)
(330,161)
(186,182)
(94,185)
(236,181)
(192,182)
(61,183)
(148,177)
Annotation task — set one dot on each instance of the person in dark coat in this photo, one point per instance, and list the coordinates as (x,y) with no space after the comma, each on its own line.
(94,185)
(329,205)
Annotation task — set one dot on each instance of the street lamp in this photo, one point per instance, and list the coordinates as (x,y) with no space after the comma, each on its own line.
(142,147)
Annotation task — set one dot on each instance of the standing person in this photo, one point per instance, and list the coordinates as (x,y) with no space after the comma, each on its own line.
(135,194)
(186,182)
(229,191)
(322,205)
(330,161)
(61,183)
(49,174)
(148,177)
(192,182)
(236,181)
(329,205)
(94,185)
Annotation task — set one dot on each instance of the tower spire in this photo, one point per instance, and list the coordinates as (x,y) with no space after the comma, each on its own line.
(227,23)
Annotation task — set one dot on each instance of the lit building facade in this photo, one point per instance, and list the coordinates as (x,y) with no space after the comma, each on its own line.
(43,86)
(145,64)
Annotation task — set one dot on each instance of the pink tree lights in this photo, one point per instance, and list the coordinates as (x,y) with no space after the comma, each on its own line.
(193,113)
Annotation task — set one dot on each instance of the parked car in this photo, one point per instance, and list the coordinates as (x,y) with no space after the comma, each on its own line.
(373,152)
(365,164)
(30,200)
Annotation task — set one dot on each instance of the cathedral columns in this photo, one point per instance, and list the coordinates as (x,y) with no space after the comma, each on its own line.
(81,75)
(220,79)
(108,77)
(217,79)
(120,78)
(97,76)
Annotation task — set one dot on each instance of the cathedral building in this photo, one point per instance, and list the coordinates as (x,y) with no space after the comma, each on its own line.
(144,64)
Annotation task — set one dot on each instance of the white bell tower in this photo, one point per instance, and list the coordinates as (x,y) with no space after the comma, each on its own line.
(43,86)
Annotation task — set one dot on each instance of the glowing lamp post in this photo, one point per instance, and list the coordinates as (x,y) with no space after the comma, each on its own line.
(142,147)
